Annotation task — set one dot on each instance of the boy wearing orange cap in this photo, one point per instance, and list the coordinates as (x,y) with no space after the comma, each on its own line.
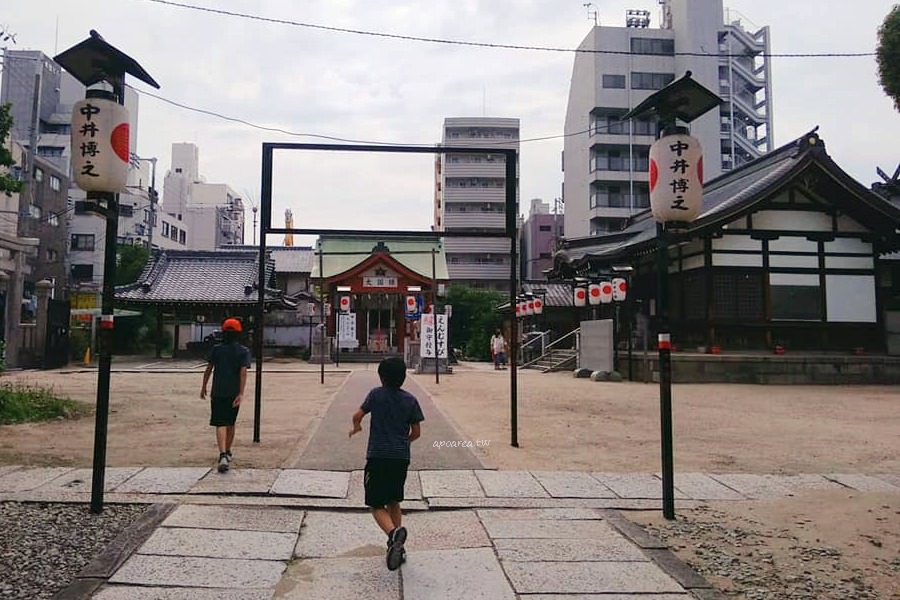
(227,363)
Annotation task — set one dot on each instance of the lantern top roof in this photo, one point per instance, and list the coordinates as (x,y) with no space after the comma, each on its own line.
(95,60)
(684,99)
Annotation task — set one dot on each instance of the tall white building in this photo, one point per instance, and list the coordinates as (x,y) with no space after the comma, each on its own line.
(605,168)
(470,193)
(212,212)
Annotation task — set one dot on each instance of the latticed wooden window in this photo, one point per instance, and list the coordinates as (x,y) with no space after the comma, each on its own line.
(738,295)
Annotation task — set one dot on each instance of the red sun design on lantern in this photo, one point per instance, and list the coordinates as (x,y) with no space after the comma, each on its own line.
(579,294)
(654,174)
(118,139)
(410,301)
(607,288)
(595,291)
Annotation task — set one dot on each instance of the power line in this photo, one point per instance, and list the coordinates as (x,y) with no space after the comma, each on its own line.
(413,38)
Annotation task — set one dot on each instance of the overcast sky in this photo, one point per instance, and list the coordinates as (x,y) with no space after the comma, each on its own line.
(377,89)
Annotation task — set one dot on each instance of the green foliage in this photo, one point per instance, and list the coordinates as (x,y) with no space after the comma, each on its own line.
(474,319)
(888,55)
(8,184)
(132,260)
(21,403)
(79,340)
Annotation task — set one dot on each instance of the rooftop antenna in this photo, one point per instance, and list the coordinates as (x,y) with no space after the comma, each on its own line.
(665,15)
(253,208)
(591,13)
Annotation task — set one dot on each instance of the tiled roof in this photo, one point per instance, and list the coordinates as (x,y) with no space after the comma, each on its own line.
(342,254)
(197,277)
(557,294)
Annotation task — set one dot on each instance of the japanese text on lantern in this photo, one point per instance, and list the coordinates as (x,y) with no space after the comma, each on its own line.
(89,147)
(680,185)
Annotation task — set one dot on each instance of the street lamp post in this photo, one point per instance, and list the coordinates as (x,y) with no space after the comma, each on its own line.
(100,155)
(676,199)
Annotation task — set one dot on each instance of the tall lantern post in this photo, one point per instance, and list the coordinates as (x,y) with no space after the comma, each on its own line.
(100,154)
(676,199)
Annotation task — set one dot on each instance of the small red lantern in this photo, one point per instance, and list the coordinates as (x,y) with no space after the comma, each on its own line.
(411,305)
(606,292)
(594,294)
(538,306)
(580,296)
(344,303)
(620,289)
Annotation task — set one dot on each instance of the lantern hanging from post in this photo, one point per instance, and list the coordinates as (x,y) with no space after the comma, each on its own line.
(620,289)
(594,294)
(529,306)
(606,292)
(344,303)
(538,306)
(676,178)
(411,305)
(523,308)
(100,144)
(580,296)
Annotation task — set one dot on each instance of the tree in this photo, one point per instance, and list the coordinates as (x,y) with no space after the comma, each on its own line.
(132,260)
(474,319)
(888,54)
(8,183)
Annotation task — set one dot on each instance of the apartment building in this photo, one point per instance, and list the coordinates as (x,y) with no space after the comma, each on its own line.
(470,193)
(538,237)
(605,159)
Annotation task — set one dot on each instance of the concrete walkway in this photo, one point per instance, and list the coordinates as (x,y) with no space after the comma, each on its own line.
(330,449)
(503,535)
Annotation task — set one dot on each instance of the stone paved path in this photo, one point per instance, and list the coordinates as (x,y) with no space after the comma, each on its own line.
(329,448)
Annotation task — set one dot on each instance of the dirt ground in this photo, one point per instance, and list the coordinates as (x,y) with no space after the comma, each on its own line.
(827,545)
(159,419)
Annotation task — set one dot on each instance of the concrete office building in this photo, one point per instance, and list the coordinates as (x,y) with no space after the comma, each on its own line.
(605,168)
(470,193)
(538,237)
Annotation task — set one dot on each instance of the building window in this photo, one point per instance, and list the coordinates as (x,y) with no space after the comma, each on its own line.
(34,211)
(38,174)
(738,296)
(796,302)
(83,241)
(616,82)
(53,219)
(545,228)
(182,237)
(661,47)
(546,255)
(52,255)
(609,123)
(82,272)
(55,183)
(650,81)
(178,170)
(165,229)
(174,232)
(126,210)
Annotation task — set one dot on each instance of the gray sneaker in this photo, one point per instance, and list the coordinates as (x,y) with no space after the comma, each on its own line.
(223,463)
(396,553)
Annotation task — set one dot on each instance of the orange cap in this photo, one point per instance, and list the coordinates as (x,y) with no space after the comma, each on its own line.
(231,324)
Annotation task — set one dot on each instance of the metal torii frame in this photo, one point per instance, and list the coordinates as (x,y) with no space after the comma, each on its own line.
(510,232)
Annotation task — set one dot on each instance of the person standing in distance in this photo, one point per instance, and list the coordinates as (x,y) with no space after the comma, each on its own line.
(227,363)
(395,423)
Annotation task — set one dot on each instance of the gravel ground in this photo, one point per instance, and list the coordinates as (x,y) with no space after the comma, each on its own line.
(43,546)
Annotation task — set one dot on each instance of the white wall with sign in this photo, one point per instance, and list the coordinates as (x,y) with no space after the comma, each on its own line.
(347,330)
(427,336)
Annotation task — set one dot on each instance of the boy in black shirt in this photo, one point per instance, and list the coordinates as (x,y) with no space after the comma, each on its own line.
(396,416)
(227,363)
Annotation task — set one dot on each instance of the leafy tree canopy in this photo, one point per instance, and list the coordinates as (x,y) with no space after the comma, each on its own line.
(132,260)
(474,319)
(888,54)
(8,184)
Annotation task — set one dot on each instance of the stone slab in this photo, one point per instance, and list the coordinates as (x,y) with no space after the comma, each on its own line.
(236,481)
(755,486)
(220,543)
(126,543)
(190,571)
(130,592)
(610,547)
(445,530)
(632,531)
(578,514)
(634,485)
(340,535)
(678,570)
(450,484)
(510,484)
(469,574)
(236,518)
(864,483)
(700,486)
(801,482)
(572,484)
(302,482)
(609,597)
(623,503)
(589,578)
(546,529)
(339,579)
(4,469)
(23,480)
(80,480)
(162,480)
(893,479)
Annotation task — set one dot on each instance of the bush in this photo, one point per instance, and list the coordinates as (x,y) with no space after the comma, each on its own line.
(20,403)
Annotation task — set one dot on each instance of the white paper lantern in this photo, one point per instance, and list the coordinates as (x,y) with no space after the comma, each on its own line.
(676,178)
(411,305)
(606,292)
(594,294)
(100,145)
(580,297)
(523,308)
(620,289)
(529,306)
(538,306)
(344,303)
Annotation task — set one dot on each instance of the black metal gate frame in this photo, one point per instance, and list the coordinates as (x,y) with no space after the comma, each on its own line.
(510,232)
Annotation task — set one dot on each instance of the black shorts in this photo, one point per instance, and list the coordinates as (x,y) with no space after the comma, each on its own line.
(384,480)
(221,412)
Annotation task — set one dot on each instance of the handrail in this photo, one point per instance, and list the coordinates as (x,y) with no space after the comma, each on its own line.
(534,339)
(575,332)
